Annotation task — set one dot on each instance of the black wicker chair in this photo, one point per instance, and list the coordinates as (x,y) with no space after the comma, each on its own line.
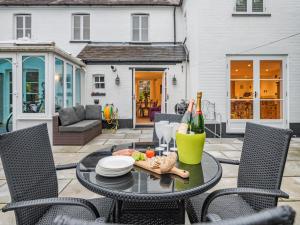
(168,117)
(32,181)
(283,215)
(259,179)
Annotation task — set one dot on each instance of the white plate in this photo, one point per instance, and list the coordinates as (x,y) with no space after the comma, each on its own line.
(116,162)
(112,174)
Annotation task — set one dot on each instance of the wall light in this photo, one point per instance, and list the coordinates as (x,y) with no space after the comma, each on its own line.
(114,70)
(174,80)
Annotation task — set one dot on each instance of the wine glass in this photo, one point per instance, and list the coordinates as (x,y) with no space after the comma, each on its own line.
(167,134)
(174,131)
(163,122)
(159,133)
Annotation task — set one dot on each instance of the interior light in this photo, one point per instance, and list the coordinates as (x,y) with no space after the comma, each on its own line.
(236,70)
(249,65)
(56,77)
(267,70)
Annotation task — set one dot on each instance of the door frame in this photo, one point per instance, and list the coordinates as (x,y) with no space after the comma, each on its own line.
(133,97)
(238,125)
(13,57)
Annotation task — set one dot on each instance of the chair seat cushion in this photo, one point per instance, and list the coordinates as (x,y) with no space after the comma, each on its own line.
(102,204)
(79,127)
(230,206)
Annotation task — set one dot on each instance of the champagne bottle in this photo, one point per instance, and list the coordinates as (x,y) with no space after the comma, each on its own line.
(197,125)
(186,119)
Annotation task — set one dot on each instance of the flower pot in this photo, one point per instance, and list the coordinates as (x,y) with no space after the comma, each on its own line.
(190,147)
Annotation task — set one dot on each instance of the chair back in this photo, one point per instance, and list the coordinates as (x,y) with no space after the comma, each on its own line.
(29,169)
(283,215)
(262,162)
(172,118)
(209,110)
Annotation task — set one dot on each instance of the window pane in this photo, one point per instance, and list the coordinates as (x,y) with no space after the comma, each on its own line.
(270,69)
(241,5)
(135,22)
(33,74)
(76,33)
(59,84)
(271,89)
(102,79)
(86,33)
(76,21)
(19,33)
(136,35)
(271,109)
(97,79)
(241,89)
(241,69)
(28,22)
(102,85)
(242,109)
(144,35)
(97,85)
(144,22)
(69,85)
(28,33)
(257,5)
(86,27)
(19,22)
(78,87)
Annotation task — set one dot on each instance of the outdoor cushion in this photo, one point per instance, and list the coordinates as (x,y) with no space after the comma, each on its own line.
(68,116)
(80,126)
(93,112)
(80,112)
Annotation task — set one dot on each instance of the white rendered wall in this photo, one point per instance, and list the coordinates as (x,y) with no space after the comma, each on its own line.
(213,32)
(108,24)
(121,95)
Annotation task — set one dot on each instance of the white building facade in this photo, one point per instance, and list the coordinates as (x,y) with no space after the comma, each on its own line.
(243,54)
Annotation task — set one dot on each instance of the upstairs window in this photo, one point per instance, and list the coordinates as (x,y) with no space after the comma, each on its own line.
(99,81)
(250,6)
(81,27)
(23,26)
(140,27)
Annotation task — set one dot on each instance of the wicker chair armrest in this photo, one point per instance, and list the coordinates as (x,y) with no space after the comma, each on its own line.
(66,166)
(52,201)
(230,191)
(228,161)
(66,220)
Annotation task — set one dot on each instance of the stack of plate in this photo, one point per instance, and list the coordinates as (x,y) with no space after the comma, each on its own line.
(114,166)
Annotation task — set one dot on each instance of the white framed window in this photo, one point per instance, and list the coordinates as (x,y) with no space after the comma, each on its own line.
(99,81)
(23,26)
(250,6)
(140,27)
(81,27)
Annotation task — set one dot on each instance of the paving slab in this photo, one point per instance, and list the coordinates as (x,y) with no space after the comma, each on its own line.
(110,136)
(132,136)
(120,141)
(4,193)
(219,147)
(147,131)
(65,149)
(93,148)
(65,158)
(225,183)
(293,155)
(229,170)
(236,155)
(217,154)
(291,185)
(7,218)
(66,174)
(129,131)
(96,142)
(292,169)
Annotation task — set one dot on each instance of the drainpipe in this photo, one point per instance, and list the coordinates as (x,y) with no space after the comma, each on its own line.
(174,22)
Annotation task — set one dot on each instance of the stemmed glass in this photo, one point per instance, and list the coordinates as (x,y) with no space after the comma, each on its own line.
(174,130)
(167,134)
(159,133)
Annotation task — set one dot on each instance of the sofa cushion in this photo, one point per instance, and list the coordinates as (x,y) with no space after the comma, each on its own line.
(80,126)
(93,112)
(80,112)
(68,116)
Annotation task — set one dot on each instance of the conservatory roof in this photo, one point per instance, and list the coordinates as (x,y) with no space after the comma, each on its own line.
(133,53)
(91,2)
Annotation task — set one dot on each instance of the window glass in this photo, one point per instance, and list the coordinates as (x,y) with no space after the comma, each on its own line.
(241,6)
(140,27)
(81,27)
(78,86)
(59,84)
(257,5)
(69,84)
(86,27)
(33,73)
(23,26)
(99,81)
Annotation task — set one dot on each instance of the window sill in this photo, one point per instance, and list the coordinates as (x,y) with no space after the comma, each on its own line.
(241,14)
(140,43)
(80,41)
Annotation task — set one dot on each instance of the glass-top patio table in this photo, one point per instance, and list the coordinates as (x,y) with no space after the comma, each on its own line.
(143,197)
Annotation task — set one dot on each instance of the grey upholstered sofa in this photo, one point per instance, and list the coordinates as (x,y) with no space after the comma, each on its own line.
(77,125)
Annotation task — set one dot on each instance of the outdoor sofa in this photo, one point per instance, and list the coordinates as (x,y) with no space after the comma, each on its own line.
(77,125)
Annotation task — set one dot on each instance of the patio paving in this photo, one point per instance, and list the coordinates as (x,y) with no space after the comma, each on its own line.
(229,148)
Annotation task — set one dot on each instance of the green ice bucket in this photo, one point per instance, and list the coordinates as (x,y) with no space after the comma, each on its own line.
(190,147)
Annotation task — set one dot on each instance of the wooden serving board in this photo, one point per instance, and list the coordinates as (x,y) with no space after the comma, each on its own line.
(145,165)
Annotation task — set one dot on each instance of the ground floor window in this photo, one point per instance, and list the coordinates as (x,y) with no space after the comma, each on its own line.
(59,84)
(78,86)
(33,87)
(69,84)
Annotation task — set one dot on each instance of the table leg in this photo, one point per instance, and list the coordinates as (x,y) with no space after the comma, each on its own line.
(118,207)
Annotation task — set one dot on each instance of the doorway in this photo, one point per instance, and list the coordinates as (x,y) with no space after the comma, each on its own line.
(257,92)
(6,96)
(148,96)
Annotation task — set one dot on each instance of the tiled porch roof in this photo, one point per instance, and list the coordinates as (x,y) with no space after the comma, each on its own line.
(133,53)
(91,2)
